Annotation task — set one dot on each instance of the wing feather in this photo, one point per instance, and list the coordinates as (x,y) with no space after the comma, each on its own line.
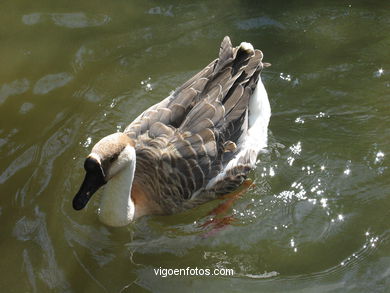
(199,126)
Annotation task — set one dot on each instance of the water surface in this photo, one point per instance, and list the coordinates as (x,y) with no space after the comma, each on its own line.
(317,219)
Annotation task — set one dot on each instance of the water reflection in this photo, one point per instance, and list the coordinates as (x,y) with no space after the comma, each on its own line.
(162,11)
(19,163)
(379,72)
(50,82)
(146,84)
(34,229)
(26,107)
(16,87)
(69,20)
(259,22)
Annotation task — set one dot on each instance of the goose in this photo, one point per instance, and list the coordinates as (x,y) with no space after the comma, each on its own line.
(194,146)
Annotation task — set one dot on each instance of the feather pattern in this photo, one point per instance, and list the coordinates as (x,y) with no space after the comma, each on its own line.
(193,146)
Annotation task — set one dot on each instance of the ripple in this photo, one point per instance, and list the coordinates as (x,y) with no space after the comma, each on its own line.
(265,275)
(35,230)
(354,259)
(31,19)
(26,107)
(69,20)
(97,241)
(93,95)
(161,11)
(259,22)
(311,117)
(16,87)
(29,270)
(50,82)
(82,56)
(52,148)
(19,163)
(79,19)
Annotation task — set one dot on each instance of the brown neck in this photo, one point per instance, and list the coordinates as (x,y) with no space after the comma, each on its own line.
(143,203)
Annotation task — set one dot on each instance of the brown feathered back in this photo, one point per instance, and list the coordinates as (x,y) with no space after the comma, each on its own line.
(188,138)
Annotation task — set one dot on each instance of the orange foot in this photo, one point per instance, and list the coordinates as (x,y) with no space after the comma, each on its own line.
(218,224)
(231,197)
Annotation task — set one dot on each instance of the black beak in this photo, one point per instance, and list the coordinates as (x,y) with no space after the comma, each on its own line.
(94,179)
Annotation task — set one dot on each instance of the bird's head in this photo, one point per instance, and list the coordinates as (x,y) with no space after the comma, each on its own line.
(109,157)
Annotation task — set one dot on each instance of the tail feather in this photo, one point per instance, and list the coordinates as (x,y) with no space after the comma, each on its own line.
(225,54)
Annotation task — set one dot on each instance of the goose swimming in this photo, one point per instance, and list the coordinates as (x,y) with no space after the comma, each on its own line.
(192,147)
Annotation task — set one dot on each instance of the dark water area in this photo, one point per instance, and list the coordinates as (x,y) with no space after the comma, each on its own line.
(317,219)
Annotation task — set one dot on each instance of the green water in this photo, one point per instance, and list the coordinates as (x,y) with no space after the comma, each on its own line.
(317,219)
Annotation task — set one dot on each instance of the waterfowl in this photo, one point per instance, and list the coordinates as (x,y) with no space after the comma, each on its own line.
(195,145)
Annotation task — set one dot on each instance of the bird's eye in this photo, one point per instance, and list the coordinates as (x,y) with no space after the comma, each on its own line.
(113,158)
